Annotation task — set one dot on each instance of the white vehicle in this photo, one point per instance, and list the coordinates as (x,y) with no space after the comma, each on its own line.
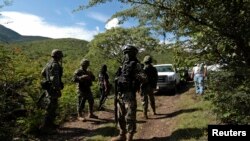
(168,78)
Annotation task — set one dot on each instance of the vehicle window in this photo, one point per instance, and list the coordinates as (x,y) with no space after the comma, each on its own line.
(164,68)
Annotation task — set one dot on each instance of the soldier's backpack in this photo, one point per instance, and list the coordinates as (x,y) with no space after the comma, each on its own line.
(46,83)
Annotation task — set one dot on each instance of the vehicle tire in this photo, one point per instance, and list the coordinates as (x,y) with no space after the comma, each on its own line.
(174,90)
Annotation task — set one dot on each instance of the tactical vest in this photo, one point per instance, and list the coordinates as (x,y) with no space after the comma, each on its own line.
(127,79)
(49,75)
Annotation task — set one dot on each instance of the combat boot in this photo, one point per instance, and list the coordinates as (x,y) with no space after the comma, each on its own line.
(91,112)
(154,112)
(130,137)
(80,117)
(93,116)
(120,137)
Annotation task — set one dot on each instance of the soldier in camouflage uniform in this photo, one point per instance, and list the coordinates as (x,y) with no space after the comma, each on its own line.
(104,86)
(128,79)
(53,72)
(83,77)
(147,89)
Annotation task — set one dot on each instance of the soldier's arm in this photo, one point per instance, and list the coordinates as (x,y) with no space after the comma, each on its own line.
(43,72)
(155,77)
(76,77)
(55,76)
(106,82)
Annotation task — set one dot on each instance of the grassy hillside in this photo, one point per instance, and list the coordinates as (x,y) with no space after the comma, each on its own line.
(38,54)
(8,35)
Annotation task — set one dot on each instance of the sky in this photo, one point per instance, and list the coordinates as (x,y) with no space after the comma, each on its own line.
(56,19)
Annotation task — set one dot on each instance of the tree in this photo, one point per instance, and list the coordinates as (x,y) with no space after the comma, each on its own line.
(219,27)
(106,48)
(111,42)
(215,31)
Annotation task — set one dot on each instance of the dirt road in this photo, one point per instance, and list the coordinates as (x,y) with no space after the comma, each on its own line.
(156,128)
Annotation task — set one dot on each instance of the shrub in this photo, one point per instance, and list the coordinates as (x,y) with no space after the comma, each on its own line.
(229,91)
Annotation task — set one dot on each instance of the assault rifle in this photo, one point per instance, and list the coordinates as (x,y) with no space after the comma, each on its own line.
(116,101)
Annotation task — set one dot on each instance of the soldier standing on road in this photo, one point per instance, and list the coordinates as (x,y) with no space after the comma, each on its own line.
(53,72)
(104,86)
(129,79)
(83,77)
(147,89)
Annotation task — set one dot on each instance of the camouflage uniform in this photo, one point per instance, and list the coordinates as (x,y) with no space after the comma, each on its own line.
(53,72)
(83,77)
(104,85)
(147,89)
(129,79)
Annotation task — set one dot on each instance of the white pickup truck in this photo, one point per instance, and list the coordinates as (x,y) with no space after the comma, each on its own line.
(168,78)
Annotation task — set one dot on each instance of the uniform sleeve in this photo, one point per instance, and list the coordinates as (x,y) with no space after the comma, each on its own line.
(92,76)
(76,77)
(56,76)
(106,81)
(43,72)
(155,75)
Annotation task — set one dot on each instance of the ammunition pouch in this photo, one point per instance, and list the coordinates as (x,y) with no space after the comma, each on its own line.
(45,84)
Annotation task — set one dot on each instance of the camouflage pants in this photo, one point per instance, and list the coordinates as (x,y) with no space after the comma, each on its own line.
(127,114)
(147,93)
(51,108)
(82,97)
(102,97)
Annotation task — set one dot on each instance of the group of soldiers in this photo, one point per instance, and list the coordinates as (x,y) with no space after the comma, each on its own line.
(131,77)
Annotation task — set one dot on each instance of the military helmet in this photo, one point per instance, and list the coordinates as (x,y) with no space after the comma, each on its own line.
(129,48)
(56,53)
(84,62)
(147,59)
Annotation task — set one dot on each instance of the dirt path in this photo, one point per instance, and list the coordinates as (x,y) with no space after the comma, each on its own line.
(156,128)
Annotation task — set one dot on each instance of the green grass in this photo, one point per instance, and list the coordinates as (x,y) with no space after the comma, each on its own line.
(192,126)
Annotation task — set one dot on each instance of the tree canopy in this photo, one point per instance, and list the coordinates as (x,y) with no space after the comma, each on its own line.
(218,28)
(111,42)
(211,31)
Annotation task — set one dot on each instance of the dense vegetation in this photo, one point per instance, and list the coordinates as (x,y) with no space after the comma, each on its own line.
(22,62)
(214,32)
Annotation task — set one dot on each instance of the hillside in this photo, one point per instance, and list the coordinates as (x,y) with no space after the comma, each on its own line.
(8,35)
